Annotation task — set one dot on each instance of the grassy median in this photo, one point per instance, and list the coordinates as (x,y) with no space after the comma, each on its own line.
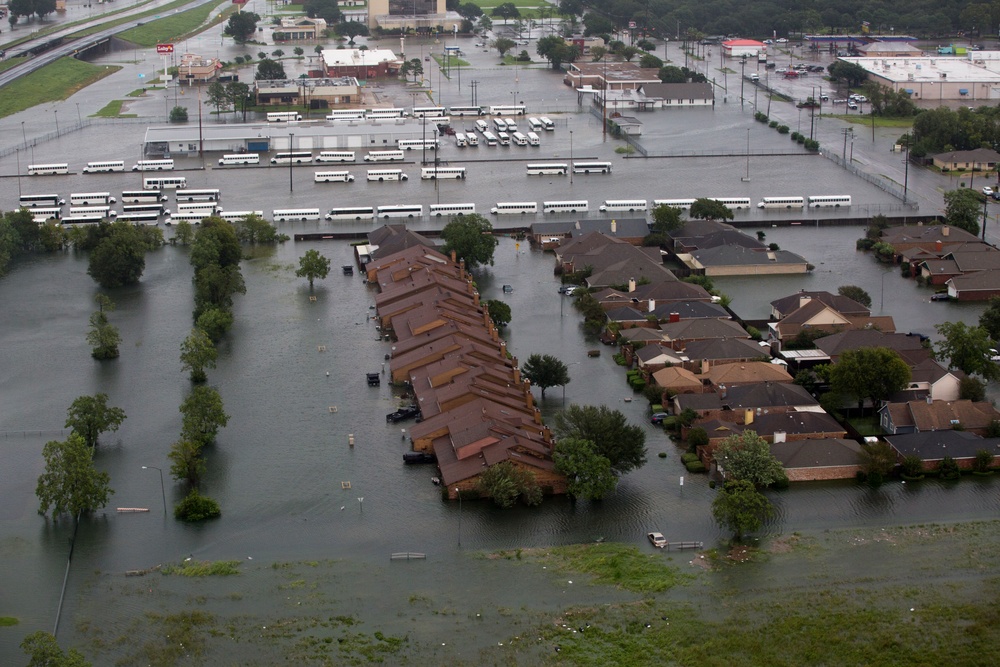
(56,81)
(173,28)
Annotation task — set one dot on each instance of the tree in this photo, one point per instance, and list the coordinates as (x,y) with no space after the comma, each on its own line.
(198,353)
(963,209)
(324,9)
(990,319)
(298,50)
(471,238)
(313,265)
(741,508)
(204,415)
(269,70)
(218,97)
(614,438)
(672,74)
(277,53)
(877,461)
(254,230)
(503,45)
(119,258)
(103,337)
(630,52)
(215,322)
(352,29)
(469,10)
(70,482)
(183,232)
(709,209)
(967,349)
(242,25)
(187,463)
(570,7)
(506,10)
(412,66)
(196,507)
(748,457)
(555,49)
(45,652)
(505,482)
(485,23)
(597,24)
(852,73)
(856,293)
(649,61)
(239,96)
(499,312)
(588,474)
(666,219)
(544,371)
(90,416)
(597,53)
(873,373)
(972,389)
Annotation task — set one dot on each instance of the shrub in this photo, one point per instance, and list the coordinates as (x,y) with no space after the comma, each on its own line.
(984,459)
(773,123)
(697,437)
(760,116)
(912,466)
(801,139)
(948,468)
(619,359)
(783,129)
(662,455)
(196,507)
(689,458)
(796,135)
(695,466)
(864,244)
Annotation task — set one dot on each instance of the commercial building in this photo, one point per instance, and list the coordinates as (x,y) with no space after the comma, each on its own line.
(412,14)
(313,93)
(196,69)
(933,79)
(737,48)
(360,63)
(609,76)
(298,29)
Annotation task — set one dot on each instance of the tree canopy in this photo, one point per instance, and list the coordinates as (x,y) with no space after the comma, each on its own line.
(748,457)
(544,371)
(588,473)
(352,29)
(963,208)
(874,373)
(242,25)
(741,508)
(270,70)
(198,353)
(471,238)
(71,484)
(499,312)
(505,482)
(313,265)
(851,73)
(623,444)
(90,416)
(856,293)
(709,209)
(204,415)
(506,10)
(119,256)
(967,349)
(989,319)
(45,652)
(555,49)
(327,10)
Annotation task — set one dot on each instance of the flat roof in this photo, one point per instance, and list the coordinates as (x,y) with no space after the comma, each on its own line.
(904,70)
(312,128)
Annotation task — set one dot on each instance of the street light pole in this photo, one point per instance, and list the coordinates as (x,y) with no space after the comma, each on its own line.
(985,201)
(55,113)
(571,157)
(163,493)
(458,493)
(291,145)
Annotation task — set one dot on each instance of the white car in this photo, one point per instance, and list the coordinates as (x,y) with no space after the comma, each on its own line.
(658,540)
(988,191)
(781,40)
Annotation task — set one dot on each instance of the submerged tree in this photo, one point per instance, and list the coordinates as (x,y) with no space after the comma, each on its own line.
(198,353)
(71,484)
(544,371)
(89,416)
(313,265)
(741,508)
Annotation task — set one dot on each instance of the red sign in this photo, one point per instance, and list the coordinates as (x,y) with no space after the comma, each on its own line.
(164,48)
(239,2)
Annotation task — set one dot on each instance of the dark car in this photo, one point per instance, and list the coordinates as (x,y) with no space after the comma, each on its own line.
(658,417)
(419,457)
(406,412)
(940,296)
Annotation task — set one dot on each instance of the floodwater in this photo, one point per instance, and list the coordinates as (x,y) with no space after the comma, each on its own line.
(282,467)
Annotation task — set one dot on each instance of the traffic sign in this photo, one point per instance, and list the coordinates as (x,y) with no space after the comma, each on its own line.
(163,49)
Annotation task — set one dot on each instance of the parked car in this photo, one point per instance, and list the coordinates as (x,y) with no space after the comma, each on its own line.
(658,417)
(852,105)
(988,191)
(940,296)
(781,40)
(419,457)
(658,540)
(567,289)
(406,412)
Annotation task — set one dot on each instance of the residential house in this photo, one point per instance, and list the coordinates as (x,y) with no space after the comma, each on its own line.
(978,159)
(727,352)
(668,296)
(673,311)
(680,334)
(769,396)
(651,358)
(723,375)
(731,260)
(814,317)
(930,378)
(390,241)
(978,286)
(909,346)
(931,415)
(677,380)
(929,238)
(611,261)
(822,459)
(960,260)
(842,304)
(933,446)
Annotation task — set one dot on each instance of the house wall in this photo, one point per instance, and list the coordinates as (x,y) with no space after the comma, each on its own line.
(755,270)
(975,295)
(946,389)
(816,474)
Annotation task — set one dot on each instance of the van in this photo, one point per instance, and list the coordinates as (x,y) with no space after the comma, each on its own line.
(754,78)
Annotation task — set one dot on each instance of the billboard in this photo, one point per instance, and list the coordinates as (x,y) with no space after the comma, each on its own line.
(164,49)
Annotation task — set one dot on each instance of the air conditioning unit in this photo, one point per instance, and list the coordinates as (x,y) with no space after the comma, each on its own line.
(944,75)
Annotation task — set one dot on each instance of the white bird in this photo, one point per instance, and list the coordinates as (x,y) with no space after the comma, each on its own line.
(342,508)
(249,557)
(328,373)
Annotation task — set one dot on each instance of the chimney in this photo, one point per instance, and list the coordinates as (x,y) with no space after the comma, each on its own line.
(748,417)
(614,228)
(652,305)
(945,230)
(674,317)
(938,246)
(704,366)
(475,299)
(722,391)
(929,399)
(454,257)
(517,374)
(631,285)
(803,300)
(779,436)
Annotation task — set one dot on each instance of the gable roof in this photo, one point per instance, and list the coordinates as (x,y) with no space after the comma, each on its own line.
(691,310)
(745,373)
(979,281)
(943,415)
(842,304)
(725,348)
(733,255)
(676,377)
(701,329)
(935,445)
(768,394)
(838,343)
(817,453)
(926,234)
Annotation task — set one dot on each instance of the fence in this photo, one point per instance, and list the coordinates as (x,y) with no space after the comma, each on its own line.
(31,142)
(881,183)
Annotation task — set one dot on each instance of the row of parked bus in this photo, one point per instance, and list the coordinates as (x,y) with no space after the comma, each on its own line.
(99,167)
(392,113)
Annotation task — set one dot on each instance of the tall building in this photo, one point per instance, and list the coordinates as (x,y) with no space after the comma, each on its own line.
(415,14)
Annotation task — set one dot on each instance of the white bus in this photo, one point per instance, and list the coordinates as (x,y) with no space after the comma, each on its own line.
(142,196)
(514,207)
(511,125)
(440,121)
(383,156)
(346,114)
(194,217)
(683,204)
(734,203)
(239,216)
(386,175)
(535,124)
(153,165)
(542,168)
(333,177)
(835,201)
(482,126)
(400,211)
(384,114)
(293,214)
(432,173)
(240,158)
(519,139)
(427,112)
(50,201)
(211,207)
(48,169)
(288,157)
(131,209)
(141,218)
(533,139)
(335,156)
(472,139)
(588,167)
(460,140)
(42,214)
(507,110)
(465,111)
(103,211)
(91,199)
(624,205)
(164,183)
(499,124)
(547,124)
(282,116)
(577,206)
(781,202)
(438,210)
(490,138)
(411,144)
(71,220)
(351,213)
(104,166)
(503,138)
(211,194)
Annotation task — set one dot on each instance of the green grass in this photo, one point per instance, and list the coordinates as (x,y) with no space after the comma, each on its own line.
(866,119)
(620,565)
(866,425)
(156,11)
(170,28)
(205,568)
(55,81)
(113,109)
(11,62)
(62,26)
(7,621)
